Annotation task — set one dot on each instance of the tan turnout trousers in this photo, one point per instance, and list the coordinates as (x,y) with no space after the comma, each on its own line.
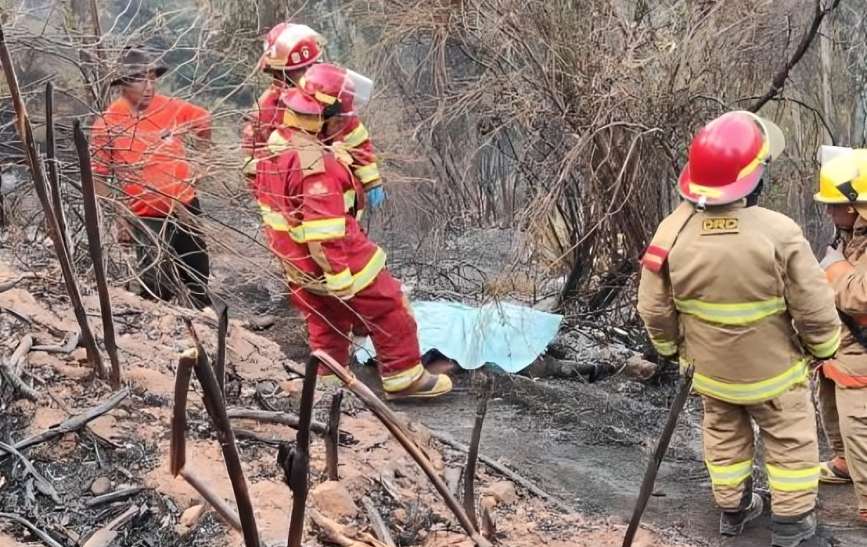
(788,429)
(844,417)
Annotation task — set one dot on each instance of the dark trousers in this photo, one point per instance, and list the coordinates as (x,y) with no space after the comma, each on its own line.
(172,255)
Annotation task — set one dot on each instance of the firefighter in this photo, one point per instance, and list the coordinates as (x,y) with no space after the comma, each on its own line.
(139,154)
(290,51)
(734,290)
(337,276)
(842,381)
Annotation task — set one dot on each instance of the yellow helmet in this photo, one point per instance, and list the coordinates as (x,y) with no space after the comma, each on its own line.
(842,175)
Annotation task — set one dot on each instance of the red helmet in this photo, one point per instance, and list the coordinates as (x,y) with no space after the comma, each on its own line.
(299,102)
(727,158)
(290,46)
(329,85)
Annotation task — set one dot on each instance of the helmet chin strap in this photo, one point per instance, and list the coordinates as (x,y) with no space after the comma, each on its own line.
(753,197)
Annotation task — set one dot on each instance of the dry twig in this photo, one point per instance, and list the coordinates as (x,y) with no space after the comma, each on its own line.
(473,454)
(73,424)
(393,424)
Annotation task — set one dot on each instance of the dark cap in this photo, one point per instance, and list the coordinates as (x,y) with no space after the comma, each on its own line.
(136,63)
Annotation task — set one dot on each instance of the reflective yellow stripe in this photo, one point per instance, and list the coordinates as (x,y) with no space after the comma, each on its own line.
(348,200)
(828,348)
(664,348)
(360,280)
(338,281)
(793,480)
(403,379)
(323,230)
(732,314)
(756,392)
(356,136)
(276,143)
(367,173)
(730,475)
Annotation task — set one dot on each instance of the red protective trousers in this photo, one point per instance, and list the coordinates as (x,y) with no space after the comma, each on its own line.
(380,306)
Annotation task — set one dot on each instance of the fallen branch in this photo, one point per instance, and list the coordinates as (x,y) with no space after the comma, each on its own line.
(504,471)
(333,532)
(658,454)
(473,455)
(108,533)
(41,483)
(393,424)
(282,418)
(73,424)
(69,344)
(27,524)
(112,497)
(213,399)
(377,525)
(13,367)
(91,225)
(332,438)
(219,504)
(19,356)
(299,458)
(7,285)
(253,436)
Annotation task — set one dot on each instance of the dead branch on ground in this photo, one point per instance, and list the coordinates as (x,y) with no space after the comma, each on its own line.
(30,526)
(377,525)
(504,471)
(393,424)
(72,424)
(69,344)
(282,418)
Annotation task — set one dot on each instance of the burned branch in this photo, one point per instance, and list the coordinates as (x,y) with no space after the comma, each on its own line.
(332,438)
(393,424)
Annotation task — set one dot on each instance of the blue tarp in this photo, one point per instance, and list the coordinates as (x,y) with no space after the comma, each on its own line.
(507,335)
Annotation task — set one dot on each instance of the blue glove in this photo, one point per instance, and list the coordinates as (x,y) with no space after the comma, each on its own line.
(375,197)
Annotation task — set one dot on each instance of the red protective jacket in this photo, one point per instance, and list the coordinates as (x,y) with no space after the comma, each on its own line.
(307,197)
(346,132)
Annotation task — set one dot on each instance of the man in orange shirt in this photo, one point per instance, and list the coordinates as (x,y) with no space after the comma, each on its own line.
(139,155)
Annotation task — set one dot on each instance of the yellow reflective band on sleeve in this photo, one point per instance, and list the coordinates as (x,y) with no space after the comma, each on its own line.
(348,200)
(828,348)
(793,480)
(367,173)
(339,281)
(276,143)
(356,136)
(323,230)
(730,475)
(664,348)
(752,393)
(732,314)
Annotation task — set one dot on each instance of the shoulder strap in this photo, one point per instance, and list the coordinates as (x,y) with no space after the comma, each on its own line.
(311,153)
(655,255)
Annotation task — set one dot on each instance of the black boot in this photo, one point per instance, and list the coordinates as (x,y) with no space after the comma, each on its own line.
(791,531)
(731,523)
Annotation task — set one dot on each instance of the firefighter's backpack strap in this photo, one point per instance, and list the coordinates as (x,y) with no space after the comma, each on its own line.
(663,241)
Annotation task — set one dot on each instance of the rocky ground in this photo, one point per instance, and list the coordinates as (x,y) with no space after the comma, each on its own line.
(127,448)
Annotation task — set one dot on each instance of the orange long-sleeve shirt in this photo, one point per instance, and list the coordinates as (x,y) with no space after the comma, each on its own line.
(145,152)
